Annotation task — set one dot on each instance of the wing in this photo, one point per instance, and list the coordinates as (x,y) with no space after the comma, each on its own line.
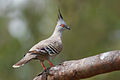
(51,48)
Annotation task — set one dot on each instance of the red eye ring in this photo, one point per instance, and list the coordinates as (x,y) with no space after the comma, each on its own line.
(62,25)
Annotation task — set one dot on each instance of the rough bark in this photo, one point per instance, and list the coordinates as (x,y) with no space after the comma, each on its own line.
(83,68)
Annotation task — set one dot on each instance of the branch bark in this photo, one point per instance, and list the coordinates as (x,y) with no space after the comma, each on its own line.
(83,68)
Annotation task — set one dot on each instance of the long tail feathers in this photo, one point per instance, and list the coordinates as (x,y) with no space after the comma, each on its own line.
(21,63)
(24,60)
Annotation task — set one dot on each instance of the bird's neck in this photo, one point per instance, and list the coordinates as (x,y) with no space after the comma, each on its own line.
(57,33)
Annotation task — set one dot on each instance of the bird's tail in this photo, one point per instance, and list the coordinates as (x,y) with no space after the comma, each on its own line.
(23,61)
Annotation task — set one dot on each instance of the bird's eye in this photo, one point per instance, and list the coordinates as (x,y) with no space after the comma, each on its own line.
(62,25)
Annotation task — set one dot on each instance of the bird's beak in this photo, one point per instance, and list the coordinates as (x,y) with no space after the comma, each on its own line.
(67,27)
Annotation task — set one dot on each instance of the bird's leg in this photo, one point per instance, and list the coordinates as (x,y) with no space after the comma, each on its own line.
(50,63)
(43,65)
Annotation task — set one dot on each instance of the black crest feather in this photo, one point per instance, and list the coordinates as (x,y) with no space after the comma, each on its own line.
(59,15)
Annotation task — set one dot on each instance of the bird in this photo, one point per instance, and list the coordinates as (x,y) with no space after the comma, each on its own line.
(48,48)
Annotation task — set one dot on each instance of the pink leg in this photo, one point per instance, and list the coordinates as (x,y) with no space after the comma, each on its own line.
(43,65)
(50,63)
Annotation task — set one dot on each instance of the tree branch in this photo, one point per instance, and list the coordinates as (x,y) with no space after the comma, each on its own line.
(83,68)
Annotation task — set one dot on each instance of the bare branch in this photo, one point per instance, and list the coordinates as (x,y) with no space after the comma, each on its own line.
(83,68)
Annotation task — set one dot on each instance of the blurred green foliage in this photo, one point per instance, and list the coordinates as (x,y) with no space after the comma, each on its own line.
(95,28)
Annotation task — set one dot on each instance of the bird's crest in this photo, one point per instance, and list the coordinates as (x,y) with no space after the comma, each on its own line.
(59,15)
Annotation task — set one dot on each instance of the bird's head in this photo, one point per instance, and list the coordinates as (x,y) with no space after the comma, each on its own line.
(61,25)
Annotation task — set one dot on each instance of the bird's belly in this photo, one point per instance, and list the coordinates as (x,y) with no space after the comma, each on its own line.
(43,57)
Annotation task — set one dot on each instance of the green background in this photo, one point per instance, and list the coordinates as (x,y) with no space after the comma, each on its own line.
(95,28)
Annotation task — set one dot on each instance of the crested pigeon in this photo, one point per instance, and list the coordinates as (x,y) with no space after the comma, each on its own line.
(48,48)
